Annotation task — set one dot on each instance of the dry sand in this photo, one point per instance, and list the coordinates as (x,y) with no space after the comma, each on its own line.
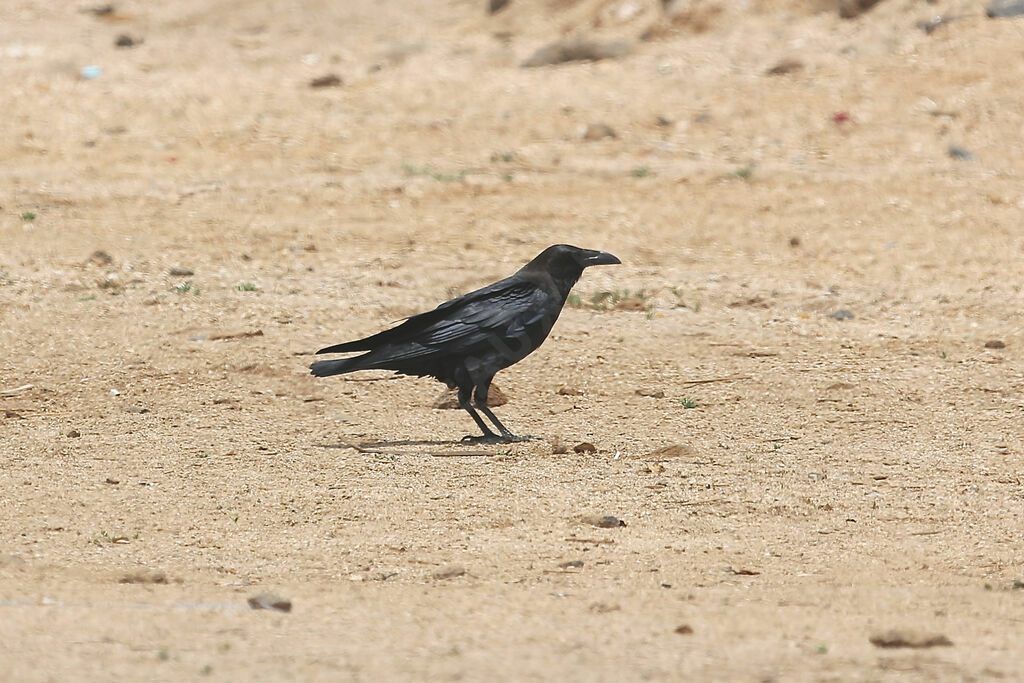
(838,477)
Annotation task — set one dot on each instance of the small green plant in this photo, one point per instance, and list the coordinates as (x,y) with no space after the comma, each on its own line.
(187,287)
(687,402)
(28,216)
(246,287)
(822,649)
(641,172)
(574,301)
(622,299)
(776,446)
(503,156)
(745,172)
(411,169)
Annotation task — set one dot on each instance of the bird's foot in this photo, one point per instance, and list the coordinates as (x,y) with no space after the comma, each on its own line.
(496,438)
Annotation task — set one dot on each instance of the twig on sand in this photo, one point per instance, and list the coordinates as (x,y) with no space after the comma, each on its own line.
(459,454)
(16,390)
(735,378)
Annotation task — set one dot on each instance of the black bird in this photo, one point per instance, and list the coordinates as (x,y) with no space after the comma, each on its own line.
(465,341)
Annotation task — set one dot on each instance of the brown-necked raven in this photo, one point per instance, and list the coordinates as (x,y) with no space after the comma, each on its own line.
(465,341)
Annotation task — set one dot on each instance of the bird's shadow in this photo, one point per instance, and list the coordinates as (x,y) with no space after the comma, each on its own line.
(410,442)
(375,446)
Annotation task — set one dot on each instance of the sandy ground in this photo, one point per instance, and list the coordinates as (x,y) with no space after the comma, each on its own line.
(164,454)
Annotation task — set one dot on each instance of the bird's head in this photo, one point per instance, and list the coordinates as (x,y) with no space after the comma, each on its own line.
(564,263)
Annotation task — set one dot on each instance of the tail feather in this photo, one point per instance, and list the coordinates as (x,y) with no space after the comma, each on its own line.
(347,347)
(326,368)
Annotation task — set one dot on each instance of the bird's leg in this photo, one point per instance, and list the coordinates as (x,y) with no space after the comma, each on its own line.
(488,435)
(480,399)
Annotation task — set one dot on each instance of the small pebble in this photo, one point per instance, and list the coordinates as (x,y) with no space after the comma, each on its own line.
(74,434)
(995,344)
(598,131)
(961,153)
(271,601)
(180,271)
(326,81)
(604,521)
(125,40)
(449,572)
(841,314)
(786,66)
(684,630)
(585,447)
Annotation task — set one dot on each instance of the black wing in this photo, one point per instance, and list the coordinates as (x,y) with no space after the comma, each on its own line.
(505,308)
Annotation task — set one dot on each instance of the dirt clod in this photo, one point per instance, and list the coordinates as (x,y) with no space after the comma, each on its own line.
(676,450)
(652,393)
(684,629)
(576,50)
(584,447)
(144,576)
(896,638)
(995,344)
(100,258)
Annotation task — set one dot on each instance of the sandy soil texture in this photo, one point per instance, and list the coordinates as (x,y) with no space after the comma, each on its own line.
(804,386)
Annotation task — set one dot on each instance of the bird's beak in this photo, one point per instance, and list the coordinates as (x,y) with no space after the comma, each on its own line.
(599,258)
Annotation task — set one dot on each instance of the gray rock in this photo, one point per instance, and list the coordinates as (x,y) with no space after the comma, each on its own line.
(998,9)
